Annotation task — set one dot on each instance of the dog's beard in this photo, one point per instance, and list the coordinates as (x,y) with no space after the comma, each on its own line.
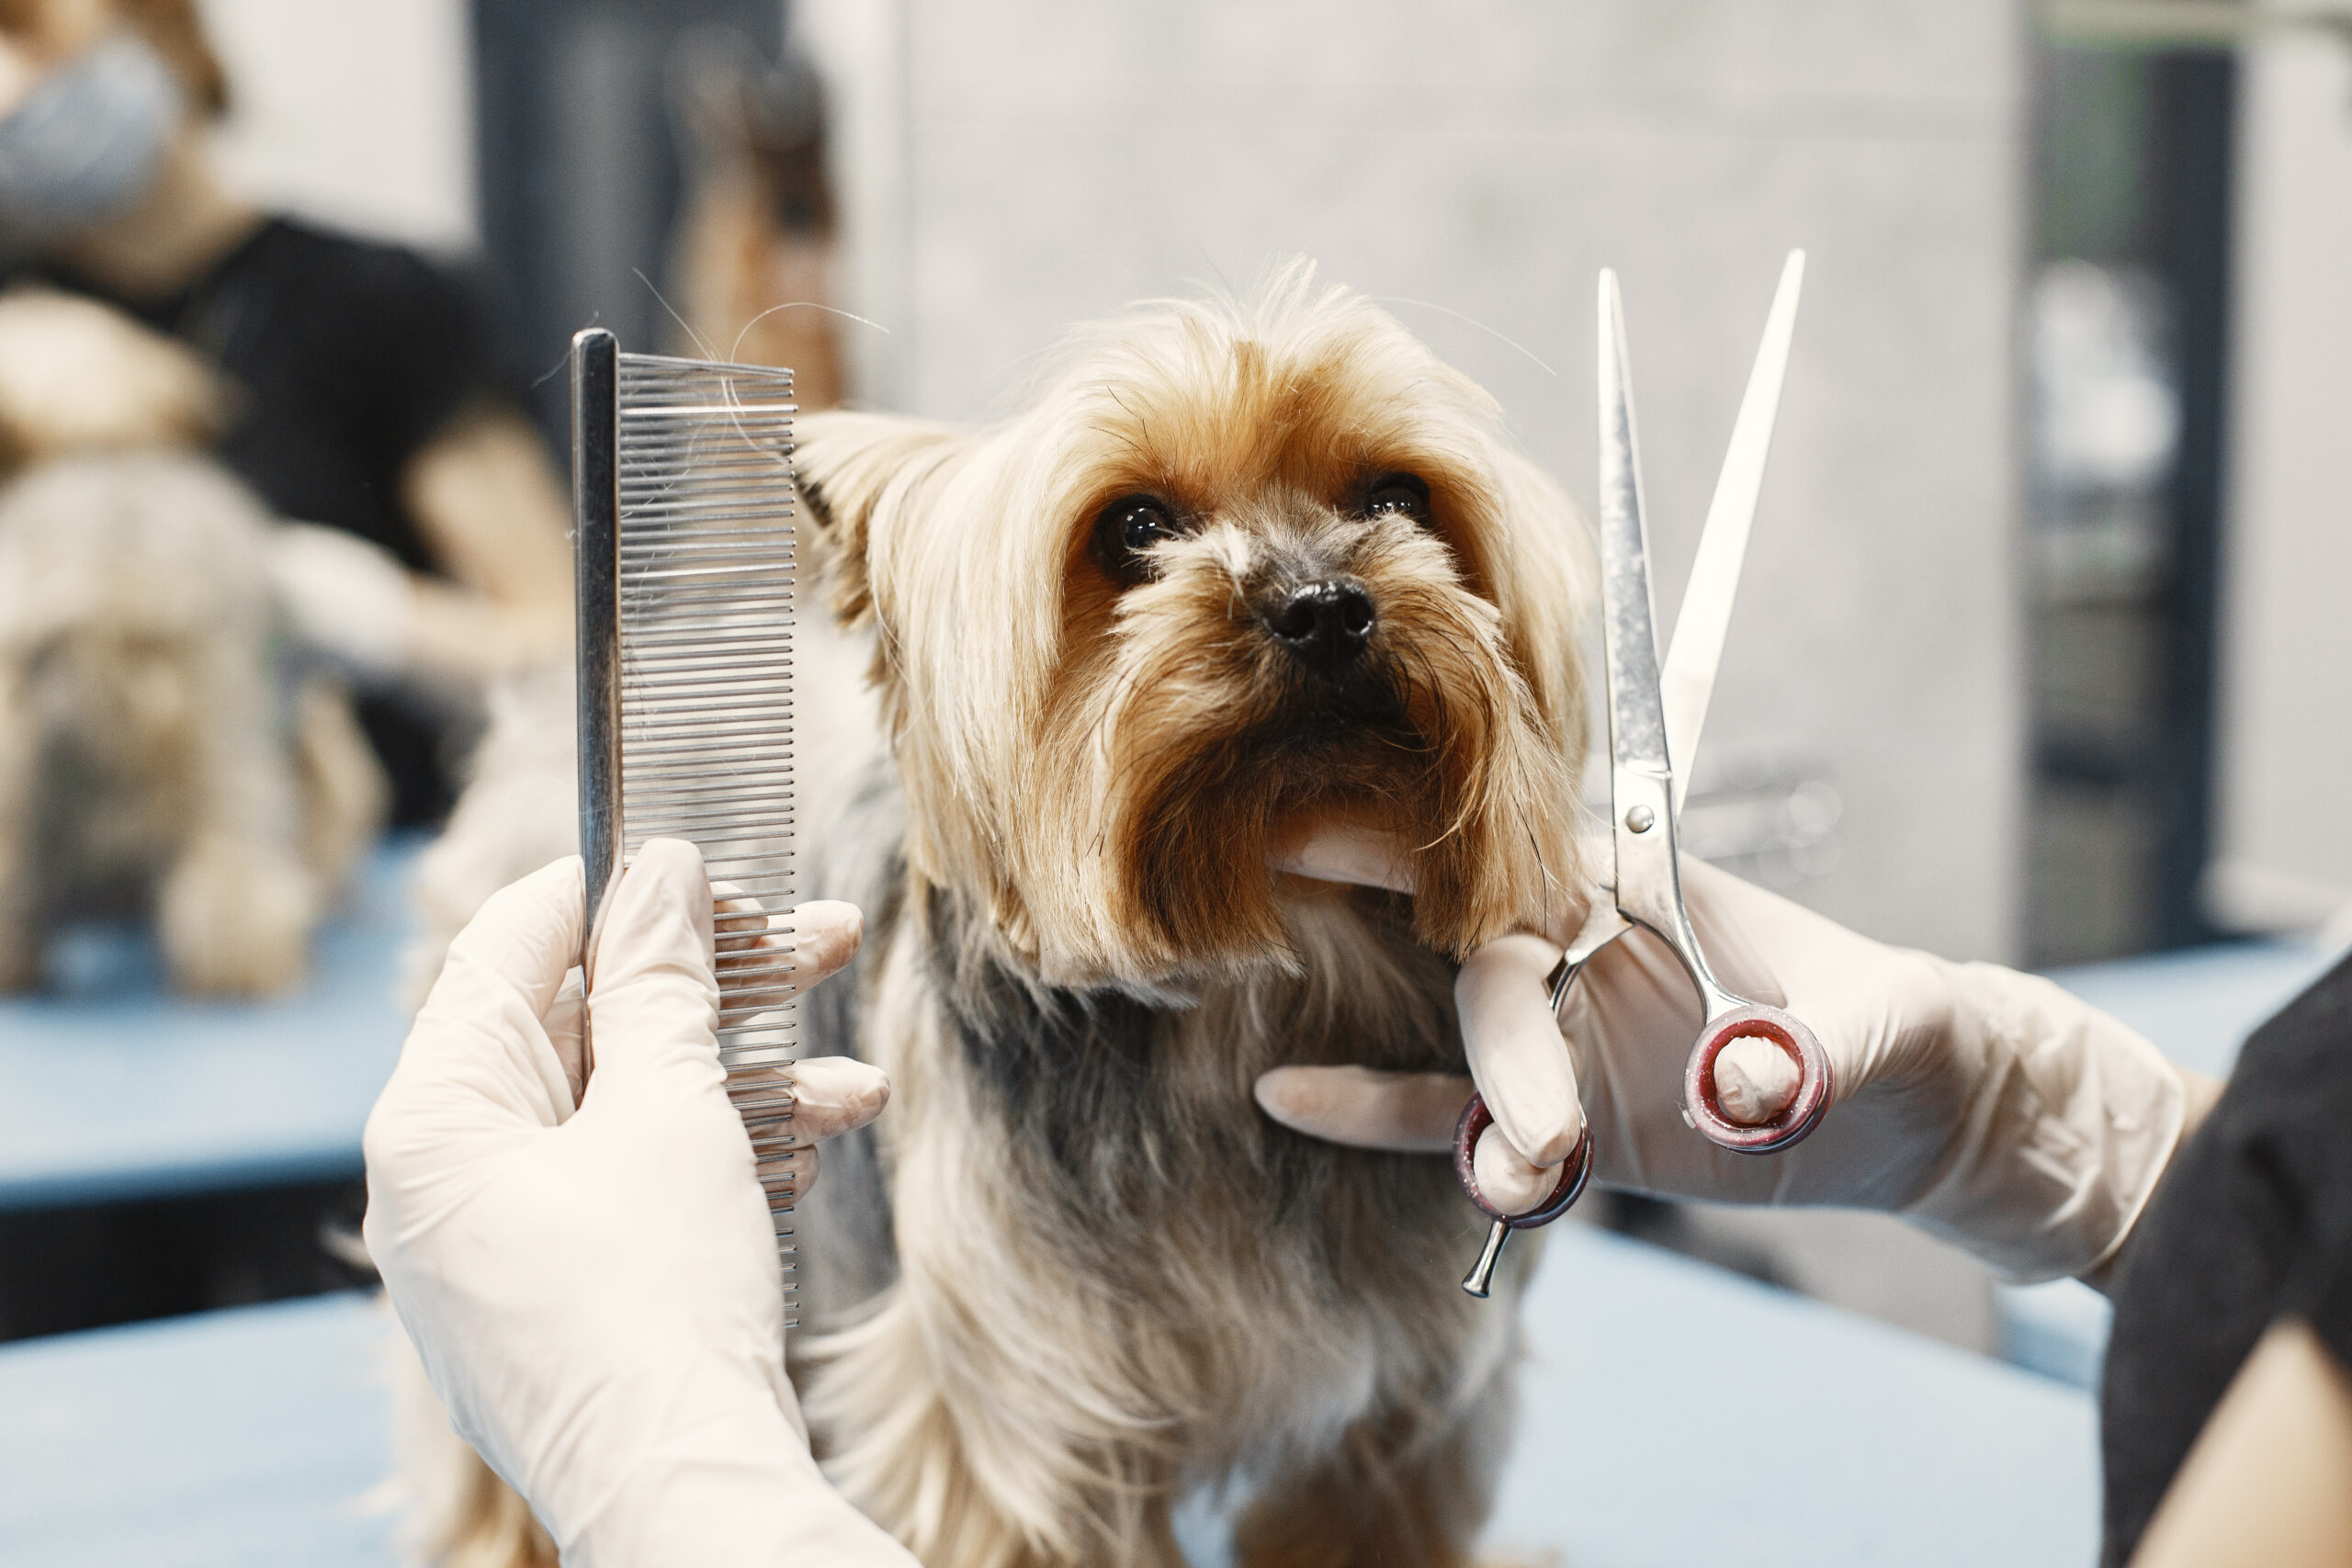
(1205,744)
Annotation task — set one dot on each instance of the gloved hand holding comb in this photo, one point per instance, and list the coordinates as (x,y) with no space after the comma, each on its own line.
(589,1274)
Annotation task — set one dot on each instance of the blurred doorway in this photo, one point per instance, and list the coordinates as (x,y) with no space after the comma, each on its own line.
(2127,334)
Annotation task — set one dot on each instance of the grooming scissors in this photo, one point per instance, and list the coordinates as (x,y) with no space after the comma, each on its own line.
(1654,718)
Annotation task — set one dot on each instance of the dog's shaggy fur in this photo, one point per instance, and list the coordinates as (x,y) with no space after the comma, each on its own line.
(156,754)
(1074,1274)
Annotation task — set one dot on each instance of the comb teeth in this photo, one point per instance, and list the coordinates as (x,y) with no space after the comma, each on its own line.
(701,610)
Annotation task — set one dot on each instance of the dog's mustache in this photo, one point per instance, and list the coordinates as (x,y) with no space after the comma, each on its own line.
(1364,702)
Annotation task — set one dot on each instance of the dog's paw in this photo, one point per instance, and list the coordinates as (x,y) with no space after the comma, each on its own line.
(235,921)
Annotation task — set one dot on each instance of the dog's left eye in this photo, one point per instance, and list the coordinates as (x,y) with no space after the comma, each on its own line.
(1127,529)
(1401,495)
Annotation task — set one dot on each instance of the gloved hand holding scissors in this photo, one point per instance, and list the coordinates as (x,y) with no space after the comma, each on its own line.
(1988,1106)
(1710,1028)
(588,1271)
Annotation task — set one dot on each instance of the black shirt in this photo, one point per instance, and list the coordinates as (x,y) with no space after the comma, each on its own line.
(350,357)
(2253,1220)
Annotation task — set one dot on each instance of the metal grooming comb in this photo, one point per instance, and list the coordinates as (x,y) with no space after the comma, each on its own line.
(682,500)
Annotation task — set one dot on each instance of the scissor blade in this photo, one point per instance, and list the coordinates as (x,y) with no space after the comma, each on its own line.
(1688,682)
(1636,721)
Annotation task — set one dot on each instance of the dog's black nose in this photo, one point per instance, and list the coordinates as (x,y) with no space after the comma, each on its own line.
(1325,624)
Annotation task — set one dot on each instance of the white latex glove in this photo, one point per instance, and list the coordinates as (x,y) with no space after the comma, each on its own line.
(1988,1106)
(348,599)
(595,1295)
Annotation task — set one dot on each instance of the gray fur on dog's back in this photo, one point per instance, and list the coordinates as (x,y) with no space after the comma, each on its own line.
(843,1224)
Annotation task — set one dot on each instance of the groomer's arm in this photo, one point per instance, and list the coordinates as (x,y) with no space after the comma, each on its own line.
(493,518)
(2269,1484)
(593,1290)
(494,514)
(2200,1094)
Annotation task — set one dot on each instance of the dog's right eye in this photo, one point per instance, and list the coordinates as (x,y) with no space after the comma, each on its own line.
(1128,528)
(1401,495)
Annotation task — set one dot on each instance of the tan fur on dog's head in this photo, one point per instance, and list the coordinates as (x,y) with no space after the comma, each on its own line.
(1241,567)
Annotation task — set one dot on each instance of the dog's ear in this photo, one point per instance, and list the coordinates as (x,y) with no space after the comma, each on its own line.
(856,473)
(1550,595)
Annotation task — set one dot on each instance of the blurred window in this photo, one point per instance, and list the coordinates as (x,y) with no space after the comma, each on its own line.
(2126,332)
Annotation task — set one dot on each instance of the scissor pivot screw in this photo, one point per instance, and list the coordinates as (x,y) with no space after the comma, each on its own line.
(1640,818)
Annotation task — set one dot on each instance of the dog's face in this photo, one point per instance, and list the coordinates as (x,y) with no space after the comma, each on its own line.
(1239,570)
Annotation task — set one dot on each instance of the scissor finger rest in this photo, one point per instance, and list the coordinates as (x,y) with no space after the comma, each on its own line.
(1704,1107)
(1575,1170)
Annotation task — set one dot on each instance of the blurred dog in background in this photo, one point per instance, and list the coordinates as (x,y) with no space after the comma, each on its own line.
(161,751)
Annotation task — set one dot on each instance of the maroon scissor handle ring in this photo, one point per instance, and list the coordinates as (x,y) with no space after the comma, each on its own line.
(1575,1170)
(1704,1110)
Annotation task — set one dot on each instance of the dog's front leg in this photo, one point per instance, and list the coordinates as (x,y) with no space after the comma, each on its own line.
(234,917)
(342,787)
(236,906)
(1394,1492)
(21,878)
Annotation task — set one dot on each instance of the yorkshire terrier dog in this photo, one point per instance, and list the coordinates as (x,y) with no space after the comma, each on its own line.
(1240,570)
(159,753)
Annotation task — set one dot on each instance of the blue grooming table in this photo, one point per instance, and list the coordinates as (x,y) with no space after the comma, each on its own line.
(112,1088)
(241,1438)
(250,1438)
(1868,1446)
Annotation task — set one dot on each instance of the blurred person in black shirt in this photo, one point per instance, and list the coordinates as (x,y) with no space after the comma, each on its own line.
(367,398)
